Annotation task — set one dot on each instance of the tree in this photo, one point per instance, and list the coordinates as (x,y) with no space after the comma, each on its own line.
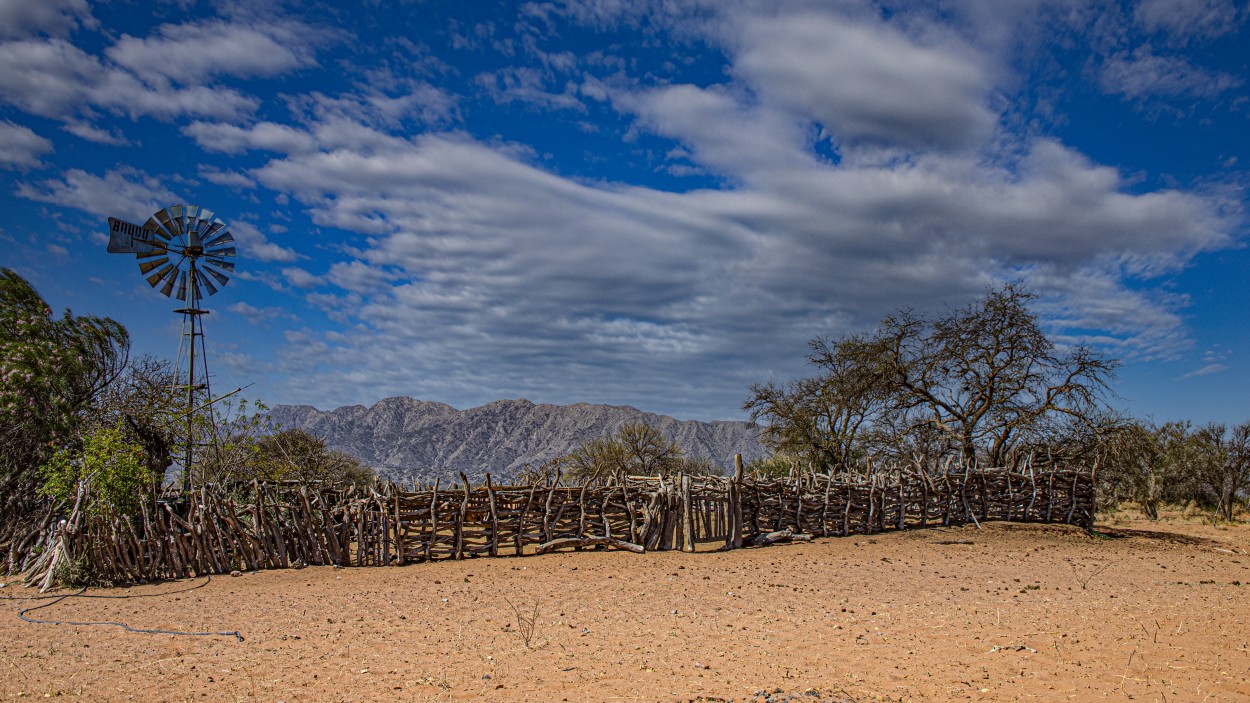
(298,455)
(636,449)
(1224,472)
(52,372)
(986,375)
(820,420)
(979,382)
(1151,465)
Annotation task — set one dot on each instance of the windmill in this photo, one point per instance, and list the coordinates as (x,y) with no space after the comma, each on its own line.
(185,251)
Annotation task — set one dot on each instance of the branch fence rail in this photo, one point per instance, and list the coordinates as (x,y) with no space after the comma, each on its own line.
(257,526)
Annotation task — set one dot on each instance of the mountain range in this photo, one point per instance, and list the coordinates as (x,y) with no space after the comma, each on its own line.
(408,440)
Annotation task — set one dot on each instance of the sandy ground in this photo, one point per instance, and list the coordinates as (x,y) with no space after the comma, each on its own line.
(1008,612)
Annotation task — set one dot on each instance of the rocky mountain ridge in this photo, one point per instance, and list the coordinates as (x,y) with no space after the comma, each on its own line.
(408,440)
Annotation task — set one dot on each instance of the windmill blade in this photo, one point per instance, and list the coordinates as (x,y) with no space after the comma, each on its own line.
(222,278)
(195,285)
(222,253)
(155,278)
(149,265)
(212,289)
(202,226)
(223,238)
(157,227)
(182,286)
(156,251)
(168,288)
(220,263)
(214,228)
(192,212)
(206,214)
(171,225)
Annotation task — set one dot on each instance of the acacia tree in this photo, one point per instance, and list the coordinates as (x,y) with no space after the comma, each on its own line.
(978,382)
(986,376)
(636,449)
(1224,472)
(298,455)
(820,421)
(1151,465)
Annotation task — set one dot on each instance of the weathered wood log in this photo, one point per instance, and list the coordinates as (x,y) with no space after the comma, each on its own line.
(777,536)
(563,542)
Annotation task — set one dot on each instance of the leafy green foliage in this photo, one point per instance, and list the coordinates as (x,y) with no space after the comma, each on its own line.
(1156,464)
(112,471)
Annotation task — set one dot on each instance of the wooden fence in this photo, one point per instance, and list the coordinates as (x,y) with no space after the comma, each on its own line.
(266,526)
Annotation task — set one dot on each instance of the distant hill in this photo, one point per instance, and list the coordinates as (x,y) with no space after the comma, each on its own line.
(406,439)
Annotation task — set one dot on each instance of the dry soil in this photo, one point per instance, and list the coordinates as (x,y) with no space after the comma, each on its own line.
(1139,611)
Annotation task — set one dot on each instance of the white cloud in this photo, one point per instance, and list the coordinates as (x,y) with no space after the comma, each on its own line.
(403,100)
(20,147)
(659,291)
(359,277)
(1144,74)
(529,85)
(1188,18)
(230,179)
(93,133)
(1091,305)
(126,193)
(300,278)
(252,242)
(232,139)
(867,80)
(24,18)
(220,48)
(1203,371)
(53,78)
(163,75)
(258,315)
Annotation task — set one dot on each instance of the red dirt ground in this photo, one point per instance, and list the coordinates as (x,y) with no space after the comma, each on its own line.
(1004,613)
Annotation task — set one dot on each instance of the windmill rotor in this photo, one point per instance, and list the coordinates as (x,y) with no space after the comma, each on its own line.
(183,251)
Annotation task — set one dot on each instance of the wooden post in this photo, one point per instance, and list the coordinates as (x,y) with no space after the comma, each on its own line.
(902,502)
(581,515)
(551,492)
(633,516)
(464,514)
(924,496)
(736,503)
(518,540)
(401,530)
(494,519)
(429,544)
(687,515)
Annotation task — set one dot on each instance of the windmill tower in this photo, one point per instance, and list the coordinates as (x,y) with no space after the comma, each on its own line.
(186,251)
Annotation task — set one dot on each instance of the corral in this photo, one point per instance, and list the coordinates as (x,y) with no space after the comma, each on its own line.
(265,526)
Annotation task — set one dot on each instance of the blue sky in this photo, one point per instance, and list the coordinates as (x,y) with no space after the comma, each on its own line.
(643,203)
